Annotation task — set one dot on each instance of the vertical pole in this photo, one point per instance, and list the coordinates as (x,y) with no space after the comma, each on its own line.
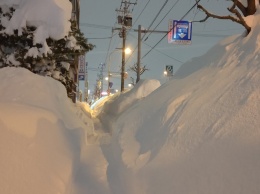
(108,81)
(108,75)
(138,54)
(86,83)
(101,77)
(75,85)
(123,59)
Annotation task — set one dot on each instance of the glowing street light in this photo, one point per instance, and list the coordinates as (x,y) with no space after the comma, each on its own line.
(126,51)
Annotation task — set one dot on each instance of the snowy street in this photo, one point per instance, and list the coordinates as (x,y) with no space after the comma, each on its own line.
(197,133)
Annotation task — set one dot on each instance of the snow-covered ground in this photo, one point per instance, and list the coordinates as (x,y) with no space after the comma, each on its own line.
(199,133)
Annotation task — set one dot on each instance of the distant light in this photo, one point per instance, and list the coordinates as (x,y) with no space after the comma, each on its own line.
(129,85)
(106,78)
(116,90)
(165,72)
(104,93)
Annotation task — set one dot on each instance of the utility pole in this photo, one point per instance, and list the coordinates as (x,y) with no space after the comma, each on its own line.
(86,83)
(123,59)
(140,31)
(99,84)
(124,19)
(139,54)
(101,78)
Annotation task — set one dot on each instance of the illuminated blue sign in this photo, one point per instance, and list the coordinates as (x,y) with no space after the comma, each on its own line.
(180,32)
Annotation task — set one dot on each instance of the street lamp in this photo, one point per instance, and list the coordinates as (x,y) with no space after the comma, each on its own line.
(126,51)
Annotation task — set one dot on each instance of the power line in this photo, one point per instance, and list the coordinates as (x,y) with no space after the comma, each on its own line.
(159,51)
(149,26)
(170,29)
(134,6)
(95,26)
(110,27)
(109,44)
(156,16)
(163,18)
(99,38)
(142,11)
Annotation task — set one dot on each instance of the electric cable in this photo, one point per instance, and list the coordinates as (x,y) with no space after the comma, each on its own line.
(99,38)
(162,19)
(110,44)
(159,51)
(156,17)
(142,11)
(134,6)
(95,26)
(194,34)
(171,29)
(148,27)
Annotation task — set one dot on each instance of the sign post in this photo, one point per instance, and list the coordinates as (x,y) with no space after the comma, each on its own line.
(81,74)
(86,83)
(81,68)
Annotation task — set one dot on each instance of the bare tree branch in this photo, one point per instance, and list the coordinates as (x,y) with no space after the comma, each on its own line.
(135,69)
(238,19)
(239,16)
(208,14)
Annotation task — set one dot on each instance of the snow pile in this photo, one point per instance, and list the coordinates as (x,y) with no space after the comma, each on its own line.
(142,89)
(55,24)
(40,136)
(118,103)
(197,134)
(200,132)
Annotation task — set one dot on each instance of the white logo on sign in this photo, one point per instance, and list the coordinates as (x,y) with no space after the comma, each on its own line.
(182,35)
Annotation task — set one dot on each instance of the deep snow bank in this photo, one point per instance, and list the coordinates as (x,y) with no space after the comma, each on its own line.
(120,102)
(40,134)
(198,133)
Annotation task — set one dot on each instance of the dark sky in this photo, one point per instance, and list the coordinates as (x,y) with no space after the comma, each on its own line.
(98,17)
